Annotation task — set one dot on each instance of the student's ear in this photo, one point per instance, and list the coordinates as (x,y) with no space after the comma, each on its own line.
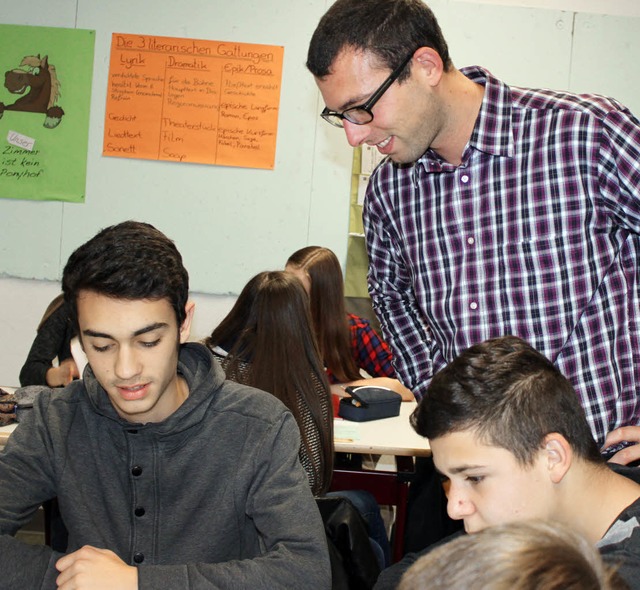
(558,456)
(185,329)
(428,62)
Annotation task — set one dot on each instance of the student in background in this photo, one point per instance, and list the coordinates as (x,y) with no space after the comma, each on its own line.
(167,474)
(53,340)
(347,342)
(267,341)
(534,555)
(510,437)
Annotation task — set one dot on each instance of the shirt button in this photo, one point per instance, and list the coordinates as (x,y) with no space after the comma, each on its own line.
(473,305)
(139,511)
(138,557)
(470,241)
(464,178)
(136,470)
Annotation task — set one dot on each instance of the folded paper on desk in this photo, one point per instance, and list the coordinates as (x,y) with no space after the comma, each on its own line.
(344,431)
(369,403)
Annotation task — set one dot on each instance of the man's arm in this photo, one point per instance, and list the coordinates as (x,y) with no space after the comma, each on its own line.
(394,301)
(619,173)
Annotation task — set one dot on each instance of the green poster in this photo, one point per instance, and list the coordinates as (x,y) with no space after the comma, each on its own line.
(44,112)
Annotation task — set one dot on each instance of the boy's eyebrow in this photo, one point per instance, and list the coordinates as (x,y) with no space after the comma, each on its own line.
(145,330)
(151,328)
(89,332)
(463,468)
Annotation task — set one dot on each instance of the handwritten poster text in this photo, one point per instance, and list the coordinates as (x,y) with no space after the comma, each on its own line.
(188,100)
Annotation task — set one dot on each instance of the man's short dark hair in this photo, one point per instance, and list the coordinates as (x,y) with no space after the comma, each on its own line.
(389,29)
(131,260)
(510,396)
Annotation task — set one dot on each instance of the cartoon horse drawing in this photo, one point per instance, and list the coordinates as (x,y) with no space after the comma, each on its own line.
(44,89)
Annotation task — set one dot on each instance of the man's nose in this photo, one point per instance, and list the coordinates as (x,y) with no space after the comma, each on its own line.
(356,134)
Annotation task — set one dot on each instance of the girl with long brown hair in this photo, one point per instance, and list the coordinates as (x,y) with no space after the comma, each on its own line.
(347,342)
(266,341)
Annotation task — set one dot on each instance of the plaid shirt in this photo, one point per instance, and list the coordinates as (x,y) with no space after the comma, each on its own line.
(369,351)
(535,234)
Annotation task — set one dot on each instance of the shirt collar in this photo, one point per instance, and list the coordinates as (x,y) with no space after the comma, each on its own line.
(492,132)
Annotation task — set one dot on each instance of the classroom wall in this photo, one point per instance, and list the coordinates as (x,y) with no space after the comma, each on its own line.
(231,223)
(228,222)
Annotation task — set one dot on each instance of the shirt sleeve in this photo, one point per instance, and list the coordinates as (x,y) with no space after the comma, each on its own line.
(371,353)
(618,170)
(391,292)
(282,508)
(51,341)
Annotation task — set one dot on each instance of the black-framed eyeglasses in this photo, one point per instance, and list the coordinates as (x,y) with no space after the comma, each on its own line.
(361,114)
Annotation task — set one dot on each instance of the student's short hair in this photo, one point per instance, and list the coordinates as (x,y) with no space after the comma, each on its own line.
(131,260)
(389,29)
(510,396)
(530,555)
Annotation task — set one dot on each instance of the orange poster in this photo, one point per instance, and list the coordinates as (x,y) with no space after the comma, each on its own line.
(189,100)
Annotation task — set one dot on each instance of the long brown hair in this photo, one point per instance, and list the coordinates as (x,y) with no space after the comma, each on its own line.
(274,349)
(327,309)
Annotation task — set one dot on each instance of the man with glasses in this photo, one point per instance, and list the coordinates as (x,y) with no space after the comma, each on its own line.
(500,210)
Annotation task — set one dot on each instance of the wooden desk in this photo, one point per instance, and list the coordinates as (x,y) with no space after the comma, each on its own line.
(390,436)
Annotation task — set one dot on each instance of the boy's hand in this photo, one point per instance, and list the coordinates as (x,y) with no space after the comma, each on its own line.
(90,568)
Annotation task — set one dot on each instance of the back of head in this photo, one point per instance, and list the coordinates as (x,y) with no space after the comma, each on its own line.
(390,29)
(325,273)
(327,308)
(271,315)
(130,260)
(279,319)
(271,346)
(510,396)
(532,555)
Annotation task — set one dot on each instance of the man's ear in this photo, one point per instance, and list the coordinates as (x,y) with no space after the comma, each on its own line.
(428,62)
(558,456)
(185,329)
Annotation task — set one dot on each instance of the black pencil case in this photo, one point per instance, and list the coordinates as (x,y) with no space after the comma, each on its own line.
(368,402)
